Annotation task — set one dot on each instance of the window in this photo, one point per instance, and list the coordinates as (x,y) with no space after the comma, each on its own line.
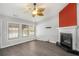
(31,30)
(25,30)
(13,30)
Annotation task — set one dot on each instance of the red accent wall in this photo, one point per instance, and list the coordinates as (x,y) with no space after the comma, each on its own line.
(68,16)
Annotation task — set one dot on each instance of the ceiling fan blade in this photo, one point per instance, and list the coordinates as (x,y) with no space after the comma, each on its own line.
(40,9)
(40,14)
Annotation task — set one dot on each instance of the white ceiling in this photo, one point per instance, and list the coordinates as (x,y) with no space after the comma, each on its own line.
(18,10)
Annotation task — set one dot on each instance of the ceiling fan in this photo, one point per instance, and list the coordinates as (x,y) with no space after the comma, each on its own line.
(36,10)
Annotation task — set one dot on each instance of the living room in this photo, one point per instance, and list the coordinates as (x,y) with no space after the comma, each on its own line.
(39,29)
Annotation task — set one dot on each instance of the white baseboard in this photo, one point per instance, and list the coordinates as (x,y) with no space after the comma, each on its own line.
(52,41)
(8,45)
(47,40)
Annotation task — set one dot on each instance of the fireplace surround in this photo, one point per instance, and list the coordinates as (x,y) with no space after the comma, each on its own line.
(68,39)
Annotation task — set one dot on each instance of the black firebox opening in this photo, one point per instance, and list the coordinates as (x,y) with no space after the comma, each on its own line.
(66,40)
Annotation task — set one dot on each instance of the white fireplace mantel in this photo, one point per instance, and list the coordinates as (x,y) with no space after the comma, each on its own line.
(74,30)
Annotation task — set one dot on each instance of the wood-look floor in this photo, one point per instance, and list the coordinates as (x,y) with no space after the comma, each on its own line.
(34,48)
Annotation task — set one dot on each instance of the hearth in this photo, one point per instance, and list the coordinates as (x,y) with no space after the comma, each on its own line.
(66,40)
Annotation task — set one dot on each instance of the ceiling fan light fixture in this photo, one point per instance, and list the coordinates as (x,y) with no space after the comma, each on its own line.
(36,10)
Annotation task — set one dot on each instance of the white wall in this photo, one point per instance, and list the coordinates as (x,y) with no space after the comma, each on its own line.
(48,34)
(5,41)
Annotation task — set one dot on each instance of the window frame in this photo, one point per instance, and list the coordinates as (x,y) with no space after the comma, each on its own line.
(22,30)
(8,30)
(33,30)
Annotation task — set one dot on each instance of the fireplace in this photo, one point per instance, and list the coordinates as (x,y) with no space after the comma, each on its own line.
(66,40)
